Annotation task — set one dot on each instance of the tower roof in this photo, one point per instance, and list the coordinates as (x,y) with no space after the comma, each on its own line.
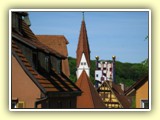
(83,45)
(90,97)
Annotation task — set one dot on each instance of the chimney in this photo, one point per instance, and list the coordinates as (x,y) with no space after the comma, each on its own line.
(26,19)
(122,86)
(97,61)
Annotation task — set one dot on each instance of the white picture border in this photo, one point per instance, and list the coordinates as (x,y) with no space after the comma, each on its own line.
(81,10)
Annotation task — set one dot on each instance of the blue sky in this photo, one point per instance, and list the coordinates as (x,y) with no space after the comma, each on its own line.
(109,33)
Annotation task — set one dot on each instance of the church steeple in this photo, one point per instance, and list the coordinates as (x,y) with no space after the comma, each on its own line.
(83,50)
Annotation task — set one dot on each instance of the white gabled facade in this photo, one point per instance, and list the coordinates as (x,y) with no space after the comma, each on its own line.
(83,66)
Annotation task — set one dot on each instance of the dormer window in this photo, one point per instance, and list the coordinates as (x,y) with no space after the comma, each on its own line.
(56,63)
(47,63)
(17,18)
(16,21)
(43,60)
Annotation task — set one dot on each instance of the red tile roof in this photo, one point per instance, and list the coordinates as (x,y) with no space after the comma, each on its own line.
(119,93)
(90,97)
(30,39)
(36,44)
(57,43)
(28,32)
(83,45)
(57,83)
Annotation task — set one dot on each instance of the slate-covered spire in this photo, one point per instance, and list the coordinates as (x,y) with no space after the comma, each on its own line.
(83,45)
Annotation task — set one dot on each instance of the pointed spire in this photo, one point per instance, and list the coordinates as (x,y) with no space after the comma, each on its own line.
(83,44)
(82,16)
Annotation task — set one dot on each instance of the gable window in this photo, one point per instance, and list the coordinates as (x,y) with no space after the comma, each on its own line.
(110,69)
(144,104)
(96,75)
(83,63)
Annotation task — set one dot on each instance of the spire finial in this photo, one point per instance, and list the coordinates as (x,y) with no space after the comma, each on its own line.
(83,16)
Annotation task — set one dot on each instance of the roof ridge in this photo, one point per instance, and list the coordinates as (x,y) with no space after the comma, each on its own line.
(48,35)
(37,44)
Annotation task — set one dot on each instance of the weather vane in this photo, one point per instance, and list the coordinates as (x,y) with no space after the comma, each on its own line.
(83,15)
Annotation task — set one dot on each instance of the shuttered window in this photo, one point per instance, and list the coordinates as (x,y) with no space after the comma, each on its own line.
(56,63)
(43,61)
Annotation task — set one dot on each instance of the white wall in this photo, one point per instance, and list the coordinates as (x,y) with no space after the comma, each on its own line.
(105,68)
(108,71)
(83,66)
(98,75)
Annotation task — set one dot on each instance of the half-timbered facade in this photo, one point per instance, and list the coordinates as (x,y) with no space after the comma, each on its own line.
(113,95)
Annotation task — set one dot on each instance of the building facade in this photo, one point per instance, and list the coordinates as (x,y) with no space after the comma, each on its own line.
(37,77)
(140,93)
(105,71)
